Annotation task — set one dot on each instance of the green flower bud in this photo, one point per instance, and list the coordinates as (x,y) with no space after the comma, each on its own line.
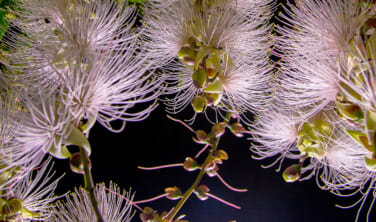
(186,52)
(218,129)
(190,164)
(201,192)
(221,154)
(12,207)
(213,98)
(216,86)
(199,104)
(199,78)
(237,129)
(173,193)
(292,173)
(201,137)
(76,163)
(370,163)
(349,111)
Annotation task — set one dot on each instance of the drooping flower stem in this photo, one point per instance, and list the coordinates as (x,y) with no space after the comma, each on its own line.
(196,183)
(89,184)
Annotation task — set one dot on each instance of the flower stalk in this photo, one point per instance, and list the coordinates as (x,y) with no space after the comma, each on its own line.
(89,184)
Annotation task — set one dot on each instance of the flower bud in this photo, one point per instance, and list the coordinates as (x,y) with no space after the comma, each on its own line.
(76,163)
(292,173)
(349,111)
(199,104)
(187,52)
(199,78)
(213,98)
(173,193)
(201,191)
(216,86)
(221,154)
(218,129)
(190,164)
(237,129)
(201,136)
(370,163)
(12,207)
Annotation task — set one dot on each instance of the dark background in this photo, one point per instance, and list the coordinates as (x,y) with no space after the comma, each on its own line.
(158,141)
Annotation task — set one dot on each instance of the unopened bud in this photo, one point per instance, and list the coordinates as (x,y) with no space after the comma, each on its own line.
(221,154)
(213,98)
(76,163)
(190,164)
(199,104)
(218,129)
(216,86)
(237,129)
(201,192)
(199,78)
(201,137)
(12,207)
(173,193)
(292,173)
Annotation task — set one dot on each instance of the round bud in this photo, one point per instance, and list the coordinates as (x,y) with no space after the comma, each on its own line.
(187,52)
(292,173)
(190,164)
(221,154)
(216,86)
(76,163)
(201,137)
(237,129)
(173,193)
(370,163)
(199,78)
(218,129)
(12,207)
(213,98)
(201,192)
(198,104)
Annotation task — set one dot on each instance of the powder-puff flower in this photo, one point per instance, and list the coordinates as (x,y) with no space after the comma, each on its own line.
(45,128)
(313,42)
(320,143)
(222,51)
(90,56)
(112,206)
(30,198)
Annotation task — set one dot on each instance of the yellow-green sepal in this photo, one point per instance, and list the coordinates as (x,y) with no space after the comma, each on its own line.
(361,139)
(370,163)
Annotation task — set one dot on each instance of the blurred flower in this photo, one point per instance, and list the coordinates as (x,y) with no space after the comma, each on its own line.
(112,206)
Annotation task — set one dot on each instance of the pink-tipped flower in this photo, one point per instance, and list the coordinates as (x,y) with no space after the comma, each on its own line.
(113,205)
(313,41)
(213,53)
(31,197)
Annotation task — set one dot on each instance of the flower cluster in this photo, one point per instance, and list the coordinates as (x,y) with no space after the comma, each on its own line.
(214,53)
(324,109)
(67,65)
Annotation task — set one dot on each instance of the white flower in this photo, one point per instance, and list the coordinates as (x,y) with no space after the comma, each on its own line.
(89,53)
(45,127)
(212,35)
(31,198)
(313,42)
(111,204)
